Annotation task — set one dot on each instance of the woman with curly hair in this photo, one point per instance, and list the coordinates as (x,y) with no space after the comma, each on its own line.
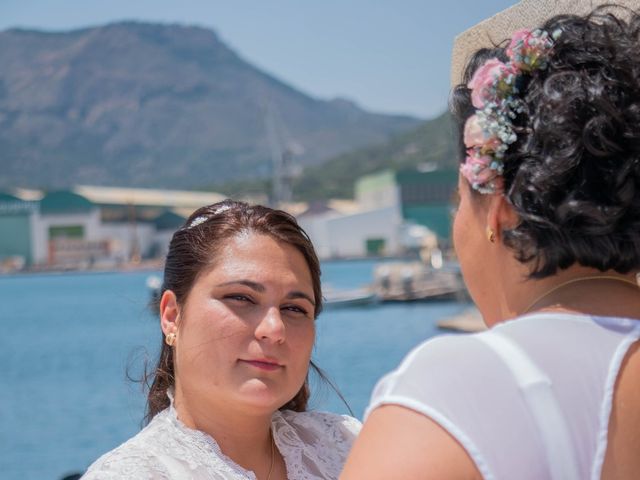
(548,237)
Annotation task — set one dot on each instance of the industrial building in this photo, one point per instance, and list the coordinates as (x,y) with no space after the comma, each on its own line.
(91,226)
(395,212)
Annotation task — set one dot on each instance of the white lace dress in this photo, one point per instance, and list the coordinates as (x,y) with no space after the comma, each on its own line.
(314,446)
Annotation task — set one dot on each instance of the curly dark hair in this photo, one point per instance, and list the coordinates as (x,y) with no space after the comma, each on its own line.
(573,175)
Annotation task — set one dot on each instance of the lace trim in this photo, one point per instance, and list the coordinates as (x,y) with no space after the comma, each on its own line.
(314,446)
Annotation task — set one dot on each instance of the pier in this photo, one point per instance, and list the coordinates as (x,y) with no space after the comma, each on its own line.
(415,281)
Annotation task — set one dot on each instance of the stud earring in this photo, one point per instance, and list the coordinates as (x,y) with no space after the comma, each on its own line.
(491,235)
(170,339)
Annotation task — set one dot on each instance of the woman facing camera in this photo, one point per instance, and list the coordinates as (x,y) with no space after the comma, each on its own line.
(239,301)
(548,237)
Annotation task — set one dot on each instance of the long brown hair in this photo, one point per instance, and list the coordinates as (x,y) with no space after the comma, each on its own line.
(193,249)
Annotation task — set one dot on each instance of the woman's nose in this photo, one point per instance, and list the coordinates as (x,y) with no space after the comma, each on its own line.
(271,326)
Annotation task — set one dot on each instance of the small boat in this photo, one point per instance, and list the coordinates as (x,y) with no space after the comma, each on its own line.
(154,284)
(357,297)
(417,282)
(469,321)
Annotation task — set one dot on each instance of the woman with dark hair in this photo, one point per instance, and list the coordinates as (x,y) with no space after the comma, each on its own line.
(547,233)
(228,399)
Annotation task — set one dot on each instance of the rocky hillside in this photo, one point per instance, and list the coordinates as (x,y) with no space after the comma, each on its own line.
(137,104)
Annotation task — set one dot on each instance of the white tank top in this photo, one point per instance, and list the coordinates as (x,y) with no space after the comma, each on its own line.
(528,399)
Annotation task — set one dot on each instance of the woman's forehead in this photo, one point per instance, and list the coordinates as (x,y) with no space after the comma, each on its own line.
(261,258)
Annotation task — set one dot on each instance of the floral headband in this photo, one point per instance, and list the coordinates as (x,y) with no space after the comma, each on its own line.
(489,132)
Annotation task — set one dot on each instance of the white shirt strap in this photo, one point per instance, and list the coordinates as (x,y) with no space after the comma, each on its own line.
(541,400)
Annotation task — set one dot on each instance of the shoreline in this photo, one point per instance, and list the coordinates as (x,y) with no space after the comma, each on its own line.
(158,264)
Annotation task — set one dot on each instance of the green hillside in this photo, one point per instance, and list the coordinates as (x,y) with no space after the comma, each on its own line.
(431,142)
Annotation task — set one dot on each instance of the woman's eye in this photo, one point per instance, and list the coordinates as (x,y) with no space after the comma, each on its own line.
(239,297)
(295,309)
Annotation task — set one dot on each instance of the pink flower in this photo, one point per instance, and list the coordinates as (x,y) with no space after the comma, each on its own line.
(519,36)
(473,134)
(476,136)
(484,83)
(529,49)
(476,167)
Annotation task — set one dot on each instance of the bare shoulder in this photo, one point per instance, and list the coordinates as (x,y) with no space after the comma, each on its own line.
(397,442)
(622,460)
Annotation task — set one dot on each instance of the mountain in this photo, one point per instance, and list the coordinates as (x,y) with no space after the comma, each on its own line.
(138,104)
(431,145)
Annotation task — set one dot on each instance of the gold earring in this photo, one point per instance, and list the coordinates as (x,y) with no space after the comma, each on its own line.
(170,339)
(491,235)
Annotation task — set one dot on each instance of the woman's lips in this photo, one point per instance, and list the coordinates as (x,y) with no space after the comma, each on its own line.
(267,365)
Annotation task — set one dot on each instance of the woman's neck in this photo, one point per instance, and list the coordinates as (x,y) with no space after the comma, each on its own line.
(245,439)
(575,290)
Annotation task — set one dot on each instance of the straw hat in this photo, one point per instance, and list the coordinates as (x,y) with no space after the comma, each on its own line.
(526,14)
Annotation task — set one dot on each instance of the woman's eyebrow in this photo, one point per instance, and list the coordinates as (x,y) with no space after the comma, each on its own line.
(258,287)
(298,294)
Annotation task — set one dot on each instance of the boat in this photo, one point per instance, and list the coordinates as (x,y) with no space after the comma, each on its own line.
(154,284)
(417,282)
(469,321)
(357,297)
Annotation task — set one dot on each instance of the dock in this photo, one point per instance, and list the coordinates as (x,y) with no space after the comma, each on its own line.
(469,321)
(358,297)
(416,281)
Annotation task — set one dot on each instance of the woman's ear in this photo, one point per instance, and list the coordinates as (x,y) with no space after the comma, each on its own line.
(169,313)
(501,215)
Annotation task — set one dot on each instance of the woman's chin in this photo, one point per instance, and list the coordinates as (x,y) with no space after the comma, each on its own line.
(262,396)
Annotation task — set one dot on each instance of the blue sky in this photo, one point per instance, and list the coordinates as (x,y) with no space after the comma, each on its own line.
(389,56)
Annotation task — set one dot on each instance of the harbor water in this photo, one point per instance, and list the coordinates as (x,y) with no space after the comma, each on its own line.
(70,341)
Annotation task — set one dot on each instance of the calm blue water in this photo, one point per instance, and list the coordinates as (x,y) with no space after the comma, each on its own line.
(66,342)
